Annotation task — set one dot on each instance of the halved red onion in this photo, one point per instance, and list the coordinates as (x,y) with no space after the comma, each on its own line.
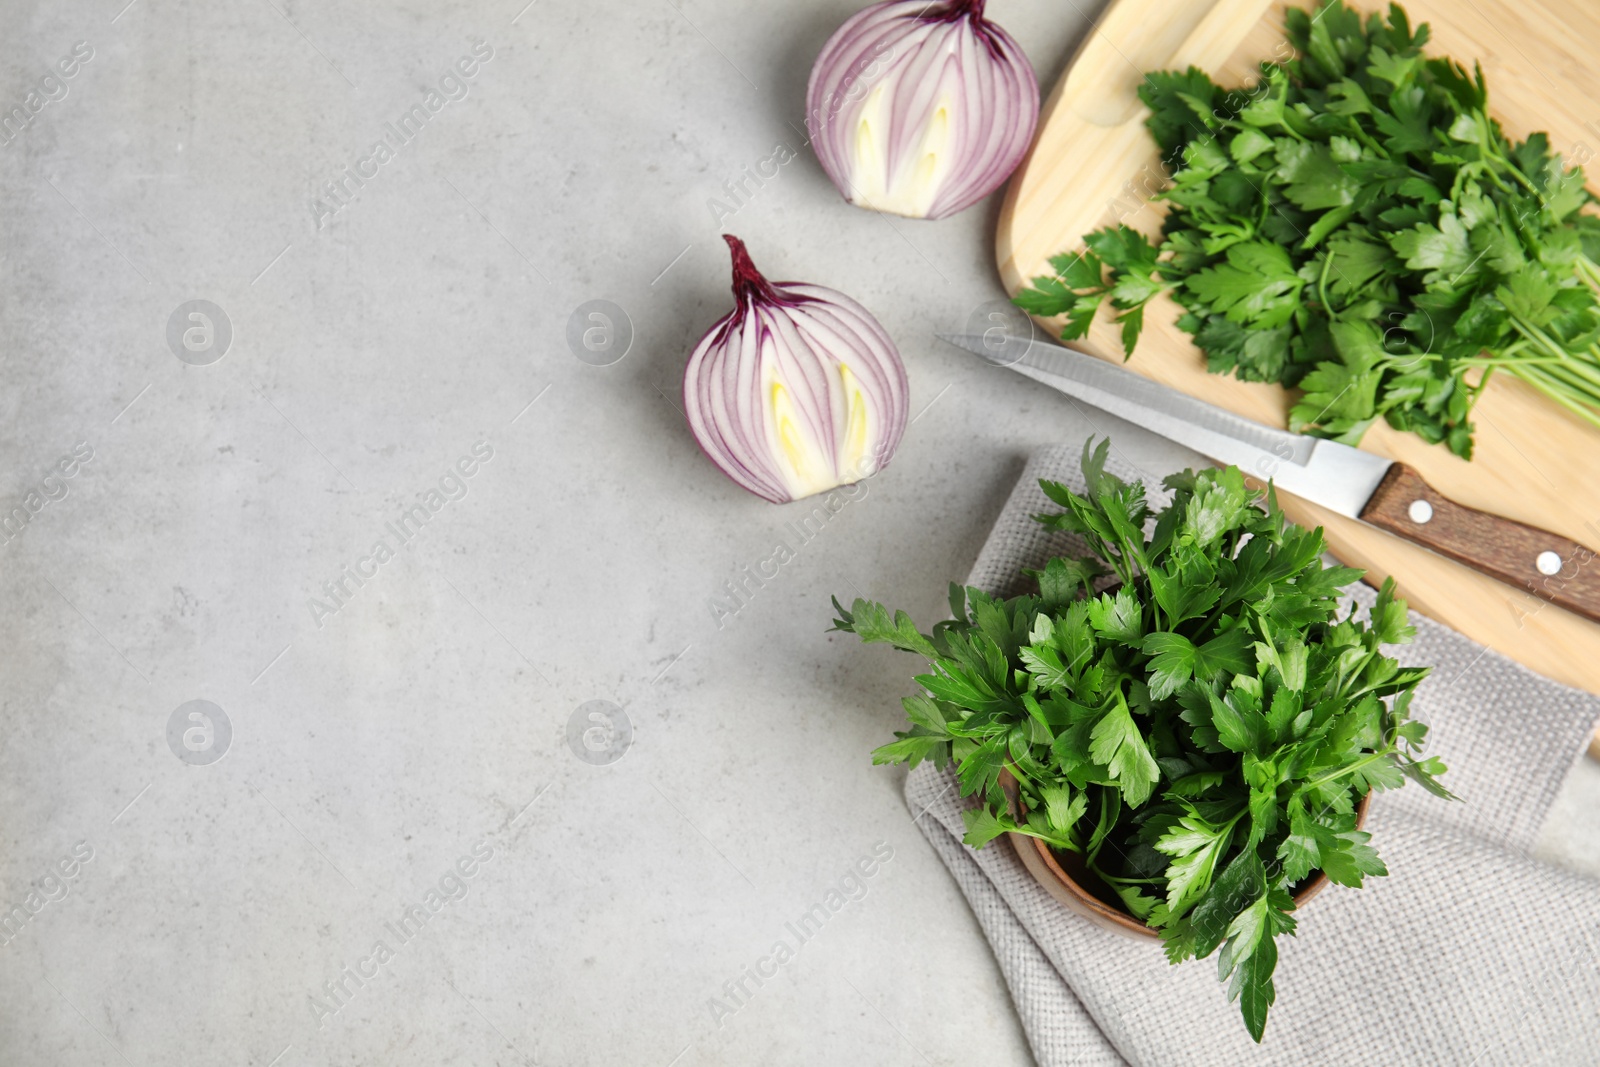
(921,109)
(796,391)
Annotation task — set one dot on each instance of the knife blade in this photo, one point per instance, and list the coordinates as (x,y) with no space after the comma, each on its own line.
(1382,493)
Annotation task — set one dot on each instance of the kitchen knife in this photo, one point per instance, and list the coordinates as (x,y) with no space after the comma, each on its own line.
(1377,491)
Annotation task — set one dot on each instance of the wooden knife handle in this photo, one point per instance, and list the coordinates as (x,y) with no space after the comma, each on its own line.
(1544,564)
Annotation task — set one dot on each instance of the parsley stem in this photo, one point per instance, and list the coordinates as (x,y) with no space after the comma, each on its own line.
(1322,281)
(1064,843)
(1387,749)
(1119,880)
(1589,271)
(1571,379)
(1371,142)
(1488,172)
(1570,366)
(1506,361)
(1555,390)
(1575,373)
(1516,172)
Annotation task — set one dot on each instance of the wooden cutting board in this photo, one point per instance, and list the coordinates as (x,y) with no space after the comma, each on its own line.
(1093,164)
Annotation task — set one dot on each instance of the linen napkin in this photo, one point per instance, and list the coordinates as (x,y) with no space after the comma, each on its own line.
(1469,952)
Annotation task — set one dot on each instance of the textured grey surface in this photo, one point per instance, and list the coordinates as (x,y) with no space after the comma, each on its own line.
(1468,951)
(373,748)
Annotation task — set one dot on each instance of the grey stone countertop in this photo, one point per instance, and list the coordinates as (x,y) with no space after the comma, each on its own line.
(397,762)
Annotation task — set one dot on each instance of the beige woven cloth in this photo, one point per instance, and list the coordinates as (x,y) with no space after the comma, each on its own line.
(1469,952)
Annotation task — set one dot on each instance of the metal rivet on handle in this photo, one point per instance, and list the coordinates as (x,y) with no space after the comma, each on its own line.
(1548,563)
(1420,511)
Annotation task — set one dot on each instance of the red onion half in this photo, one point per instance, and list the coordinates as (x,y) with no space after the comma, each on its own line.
(921,109)
(796,391)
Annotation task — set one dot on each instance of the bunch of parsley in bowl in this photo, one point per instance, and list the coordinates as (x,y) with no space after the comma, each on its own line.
(1198,737)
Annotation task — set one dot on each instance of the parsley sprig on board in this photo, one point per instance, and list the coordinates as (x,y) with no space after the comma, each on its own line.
(1200,734)
(1356,225)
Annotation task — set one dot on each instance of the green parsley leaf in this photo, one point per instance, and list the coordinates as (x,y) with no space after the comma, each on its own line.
(1117,617)
(1117,744)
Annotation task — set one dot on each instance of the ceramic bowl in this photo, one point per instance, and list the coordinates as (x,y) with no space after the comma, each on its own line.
(1066,877)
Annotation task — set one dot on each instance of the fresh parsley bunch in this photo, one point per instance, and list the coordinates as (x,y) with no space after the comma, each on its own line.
(1200,734)
(1357,226)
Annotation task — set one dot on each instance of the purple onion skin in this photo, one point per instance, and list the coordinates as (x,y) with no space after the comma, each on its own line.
(920,53)
(794,336)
